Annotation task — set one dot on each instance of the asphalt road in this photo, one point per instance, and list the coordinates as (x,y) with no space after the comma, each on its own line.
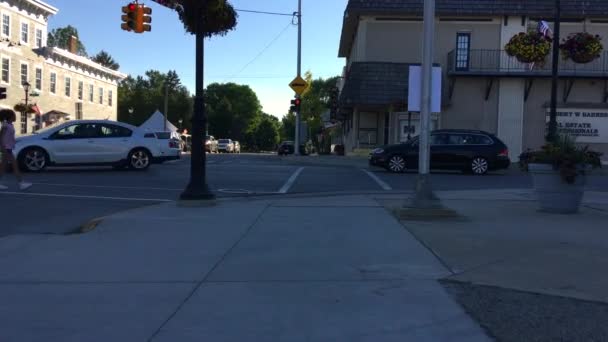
(63,199)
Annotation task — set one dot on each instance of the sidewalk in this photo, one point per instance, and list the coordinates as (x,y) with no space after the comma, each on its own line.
(302,269)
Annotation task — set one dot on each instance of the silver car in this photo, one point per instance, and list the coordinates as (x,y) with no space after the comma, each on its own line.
(225,145)
(237,147)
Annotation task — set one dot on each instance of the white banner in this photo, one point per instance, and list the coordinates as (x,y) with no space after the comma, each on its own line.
(415,93)
(584,125)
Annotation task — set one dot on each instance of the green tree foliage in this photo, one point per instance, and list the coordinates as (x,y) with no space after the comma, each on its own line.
(60,38)
(231,110)
(288,127)
(211,17)
(146,94)
(106,60)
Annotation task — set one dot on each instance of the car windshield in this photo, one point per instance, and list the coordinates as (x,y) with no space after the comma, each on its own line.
(224,141)
(287,143)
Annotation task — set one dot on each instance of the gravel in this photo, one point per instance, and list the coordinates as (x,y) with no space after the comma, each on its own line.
(510,315)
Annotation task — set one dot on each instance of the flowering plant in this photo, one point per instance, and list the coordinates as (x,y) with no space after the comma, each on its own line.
(531,47)
(581,47)
(22,108)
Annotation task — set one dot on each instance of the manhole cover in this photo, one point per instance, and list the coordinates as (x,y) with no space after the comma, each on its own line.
(236,191)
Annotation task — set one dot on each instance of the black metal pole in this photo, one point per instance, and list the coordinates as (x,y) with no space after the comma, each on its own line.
(552,134)
(197,189)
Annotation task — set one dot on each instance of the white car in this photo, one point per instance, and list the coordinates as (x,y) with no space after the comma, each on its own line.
(170,144)
(225,145)
(88,142)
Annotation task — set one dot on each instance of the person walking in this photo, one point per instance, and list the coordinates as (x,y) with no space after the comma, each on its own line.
(7,144)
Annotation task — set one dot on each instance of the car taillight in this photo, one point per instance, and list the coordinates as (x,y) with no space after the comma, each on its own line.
(504,153)
(173,144)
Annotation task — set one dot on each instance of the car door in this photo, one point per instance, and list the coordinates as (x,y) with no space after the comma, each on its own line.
(440,151)
(71,144)
(113,143)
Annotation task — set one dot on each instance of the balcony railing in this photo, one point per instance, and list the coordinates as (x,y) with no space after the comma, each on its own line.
(498,63)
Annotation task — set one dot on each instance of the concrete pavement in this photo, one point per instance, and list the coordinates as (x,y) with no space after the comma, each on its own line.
(324,269)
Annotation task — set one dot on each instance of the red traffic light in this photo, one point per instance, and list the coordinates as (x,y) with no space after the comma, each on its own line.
(297,102)
(132,7)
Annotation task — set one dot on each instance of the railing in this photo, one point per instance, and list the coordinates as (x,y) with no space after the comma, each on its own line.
(498,63)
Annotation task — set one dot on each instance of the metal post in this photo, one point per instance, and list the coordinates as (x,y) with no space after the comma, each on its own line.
(297,135)
(197,188)
(552,133)
(424,197)
(166,105)
(409,126)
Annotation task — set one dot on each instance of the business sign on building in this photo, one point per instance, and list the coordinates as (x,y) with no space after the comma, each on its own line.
(585,125)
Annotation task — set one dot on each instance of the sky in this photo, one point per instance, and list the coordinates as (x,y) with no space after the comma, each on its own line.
(261,52)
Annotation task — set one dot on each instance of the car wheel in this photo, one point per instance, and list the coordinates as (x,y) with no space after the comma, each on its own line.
(139,159)
(396,164)
(33,160)
(479,166)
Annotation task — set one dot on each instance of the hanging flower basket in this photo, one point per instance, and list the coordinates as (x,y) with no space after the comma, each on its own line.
(531,47)
(581,47)
(21,107)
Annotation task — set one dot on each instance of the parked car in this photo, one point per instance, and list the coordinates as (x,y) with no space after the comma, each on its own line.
(211,145)
(88,142)
(237,147)
(225,145)
(287,147)
(170,144)
(470,151)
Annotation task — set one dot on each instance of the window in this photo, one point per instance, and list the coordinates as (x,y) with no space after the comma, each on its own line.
(477,139)
(456,139)
(38,84)
(110,98)
(38,38)
(91,93)
(78,110)
(113,131)
(6,70)
(24,73)
(439,139)
(53,85)
(23,119)
(68,87)
(80,90)
(463,49)
(78,131)
(6,25)
(100,95)
(25,31)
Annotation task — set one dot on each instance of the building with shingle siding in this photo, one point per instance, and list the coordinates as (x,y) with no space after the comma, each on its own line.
(482,87)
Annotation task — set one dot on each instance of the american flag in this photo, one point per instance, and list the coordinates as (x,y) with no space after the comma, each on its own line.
(36,109)
(543,28)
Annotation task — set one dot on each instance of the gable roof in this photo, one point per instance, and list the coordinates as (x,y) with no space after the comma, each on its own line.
(463,8)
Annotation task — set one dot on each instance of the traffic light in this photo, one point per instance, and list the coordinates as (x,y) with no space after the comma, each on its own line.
(144,19)
(2,93)
(295,105)
(333,101)
(129,17)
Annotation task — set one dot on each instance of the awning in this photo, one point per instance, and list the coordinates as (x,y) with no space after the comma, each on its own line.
(375,84)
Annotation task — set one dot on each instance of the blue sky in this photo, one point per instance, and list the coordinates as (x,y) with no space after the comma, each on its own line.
(168,47)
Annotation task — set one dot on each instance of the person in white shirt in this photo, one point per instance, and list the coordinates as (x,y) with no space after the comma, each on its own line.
(7,144)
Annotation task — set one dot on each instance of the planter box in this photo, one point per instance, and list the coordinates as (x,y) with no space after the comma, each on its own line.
(555,195)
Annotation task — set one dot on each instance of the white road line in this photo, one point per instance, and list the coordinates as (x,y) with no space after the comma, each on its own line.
(108,187)
(25,193)
(290,181)
(380,182)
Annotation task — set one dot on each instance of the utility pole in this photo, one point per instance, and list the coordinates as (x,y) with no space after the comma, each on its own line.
(552,133)
(166,105)
(297,136)
(424,197)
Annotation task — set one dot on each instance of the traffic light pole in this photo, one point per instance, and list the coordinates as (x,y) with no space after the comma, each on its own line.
(197,188)
(296,148)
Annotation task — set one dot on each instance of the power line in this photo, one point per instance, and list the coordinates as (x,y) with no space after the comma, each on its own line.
(263,12)
(261,52)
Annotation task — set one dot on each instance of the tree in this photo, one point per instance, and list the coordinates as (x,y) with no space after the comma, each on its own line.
(106,60)
(146,94)
(232,109)
(60,37)
(288,126)
(267,133)
(204,19)
(314,103)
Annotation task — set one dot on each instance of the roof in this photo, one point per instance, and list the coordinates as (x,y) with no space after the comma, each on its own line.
(49,51)
(463,8)
(375,83)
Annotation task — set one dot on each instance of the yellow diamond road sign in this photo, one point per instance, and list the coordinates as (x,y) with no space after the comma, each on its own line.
(298,85)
